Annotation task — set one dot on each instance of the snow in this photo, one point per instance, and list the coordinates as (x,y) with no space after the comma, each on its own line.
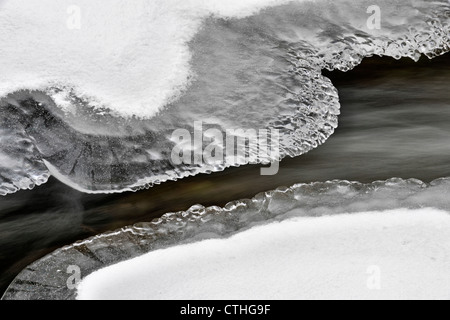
(131,57)
(397,254)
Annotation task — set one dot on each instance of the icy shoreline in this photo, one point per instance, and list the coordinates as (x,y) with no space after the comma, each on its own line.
(47,278)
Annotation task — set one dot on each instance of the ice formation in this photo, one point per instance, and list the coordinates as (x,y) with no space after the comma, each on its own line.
(48,277)
(91,93)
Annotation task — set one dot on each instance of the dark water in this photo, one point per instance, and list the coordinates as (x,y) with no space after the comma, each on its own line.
(394,123)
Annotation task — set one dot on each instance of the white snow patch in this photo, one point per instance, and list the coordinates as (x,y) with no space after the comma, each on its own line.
(128,56)
(399,254)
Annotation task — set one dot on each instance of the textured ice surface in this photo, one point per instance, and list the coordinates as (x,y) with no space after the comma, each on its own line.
(91,121)
(399,254)
(47,278)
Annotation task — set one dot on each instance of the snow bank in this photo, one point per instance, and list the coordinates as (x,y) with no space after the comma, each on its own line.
(398,254)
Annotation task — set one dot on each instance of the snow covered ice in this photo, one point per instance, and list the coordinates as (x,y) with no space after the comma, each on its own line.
(400,254)
(338,234)
(95,106)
